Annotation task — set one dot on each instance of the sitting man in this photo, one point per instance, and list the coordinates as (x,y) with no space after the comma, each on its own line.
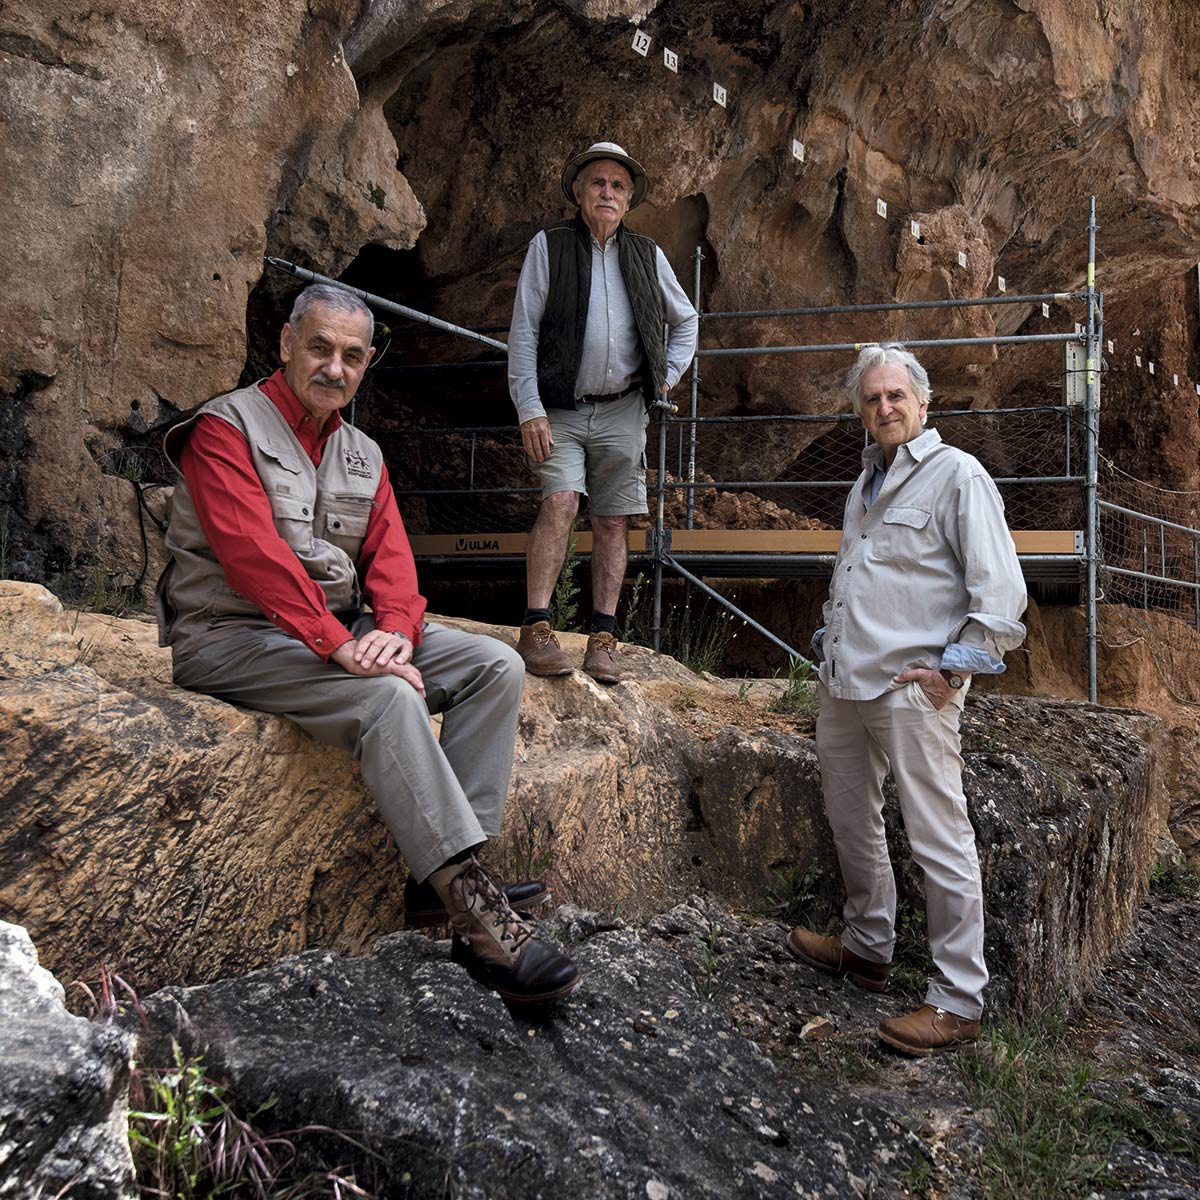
(586,355)
(926,591)
(283,524)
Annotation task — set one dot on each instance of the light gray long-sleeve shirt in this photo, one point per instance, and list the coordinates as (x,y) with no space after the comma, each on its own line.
(929,563)
(611,356)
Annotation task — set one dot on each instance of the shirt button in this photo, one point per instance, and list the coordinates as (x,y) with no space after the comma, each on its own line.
(321,641)
(304,511)
(863,536)
(835,640)
(849,569)
(839,604)
(337,524)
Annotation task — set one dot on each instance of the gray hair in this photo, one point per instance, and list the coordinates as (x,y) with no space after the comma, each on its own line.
(887,354)
(336,298)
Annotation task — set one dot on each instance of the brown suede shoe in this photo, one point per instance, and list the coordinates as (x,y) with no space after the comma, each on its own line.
(829,955)
(539,648)
(928,1029)
(600,660)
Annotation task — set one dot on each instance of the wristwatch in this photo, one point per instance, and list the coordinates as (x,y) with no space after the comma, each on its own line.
(954,680)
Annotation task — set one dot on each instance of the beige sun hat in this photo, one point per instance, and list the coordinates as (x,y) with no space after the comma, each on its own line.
(641,182)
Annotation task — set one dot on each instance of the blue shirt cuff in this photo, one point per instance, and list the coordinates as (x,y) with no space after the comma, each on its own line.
(974,660)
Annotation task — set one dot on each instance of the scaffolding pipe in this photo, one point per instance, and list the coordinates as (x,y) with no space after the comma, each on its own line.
(697,259)
(1149,578)
(1129,512)
(733,608)
(850,418)
(898,306)
(411,314)
(1093,438)
(741,351)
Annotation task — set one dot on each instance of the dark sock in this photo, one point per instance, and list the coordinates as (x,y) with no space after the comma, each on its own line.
(534,615)
(602,622)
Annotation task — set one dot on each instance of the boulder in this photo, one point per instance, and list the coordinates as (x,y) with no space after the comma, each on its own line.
(64,1088)
(638,1087)
(179,838)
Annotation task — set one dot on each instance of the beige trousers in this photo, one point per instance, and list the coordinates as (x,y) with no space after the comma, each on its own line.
(858,741)
(437,797)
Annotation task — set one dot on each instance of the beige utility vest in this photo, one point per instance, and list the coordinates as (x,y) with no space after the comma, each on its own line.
(321,512)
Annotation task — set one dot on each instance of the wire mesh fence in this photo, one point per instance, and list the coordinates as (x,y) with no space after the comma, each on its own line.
(1149,545)
(750,473)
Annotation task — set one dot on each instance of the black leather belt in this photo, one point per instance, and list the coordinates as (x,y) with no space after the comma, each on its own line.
(635,386)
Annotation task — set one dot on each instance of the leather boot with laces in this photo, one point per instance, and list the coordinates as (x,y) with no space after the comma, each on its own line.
(538,646)
(499,948)
(424,907)
(600,658)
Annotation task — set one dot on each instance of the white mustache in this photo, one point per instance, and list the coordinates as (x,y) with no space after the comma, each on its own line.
(324,381)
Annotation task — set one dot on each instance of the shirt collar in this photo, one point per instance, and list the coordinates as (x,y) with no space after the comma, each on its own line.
(277,389)
(920,446)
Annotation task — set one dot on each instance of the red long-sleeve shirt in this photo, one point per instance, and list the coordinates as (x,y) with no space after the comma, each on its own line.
(235,514)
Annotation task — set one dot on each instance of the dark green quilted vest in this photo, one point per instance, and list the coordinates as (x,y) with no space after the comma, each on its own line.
(560,336)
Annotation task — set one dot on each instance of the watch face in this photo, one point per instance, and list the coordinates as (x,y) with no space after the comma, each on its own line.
(955,681)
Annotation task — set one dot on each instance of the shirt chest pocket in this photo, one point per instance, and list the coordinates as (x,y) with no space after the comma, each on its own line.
(293,517)
(904,536)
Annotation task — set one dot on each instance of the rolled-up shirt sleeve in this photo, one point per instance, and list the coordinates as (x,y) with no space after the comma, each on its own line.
(683,323)
(991,572)
(529,306)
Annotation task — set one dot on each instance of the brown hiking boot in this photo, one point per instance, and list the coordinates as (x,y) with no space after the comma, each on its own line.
(928,1029)
(494,944)
(600,659)
(539,648)
(829,955)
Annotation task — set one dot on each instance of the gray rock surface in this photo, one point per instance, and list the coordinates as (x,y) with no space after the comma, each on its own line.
(64,1084)
(638,1086)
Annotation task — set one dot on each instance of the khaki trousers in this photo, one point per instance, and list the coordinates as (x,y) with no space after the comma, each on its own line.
(858,741)
(436,797)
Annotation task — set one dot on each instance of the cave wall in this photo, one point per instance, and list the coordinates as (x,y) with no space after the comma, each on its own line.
(158,152)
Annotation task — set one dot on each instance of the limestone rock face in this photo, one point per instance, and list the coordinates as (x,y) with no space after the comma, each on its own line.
(178,838)
(64,1085)
(154,153)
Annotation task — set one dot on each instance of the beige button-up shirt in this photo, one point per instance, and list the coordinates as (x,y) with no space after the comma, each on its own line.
(929,563)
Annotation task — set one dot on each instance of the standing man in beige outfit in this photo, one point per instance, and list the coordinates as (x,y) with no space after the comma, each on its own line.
(926,591)
(586,355)
(291,589)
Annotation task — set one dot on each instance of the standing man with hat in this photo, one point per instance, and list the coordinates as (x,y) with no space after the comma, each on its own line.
(586,355)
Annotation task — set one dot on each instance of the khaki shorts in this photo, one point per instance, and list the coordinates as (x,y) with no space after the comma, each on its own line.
(599,451)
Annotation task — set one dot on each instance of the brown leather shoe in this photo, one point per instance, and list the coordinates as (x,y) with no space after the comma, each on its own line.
(829,955)
(600,659)
(928,1029)
(539,648)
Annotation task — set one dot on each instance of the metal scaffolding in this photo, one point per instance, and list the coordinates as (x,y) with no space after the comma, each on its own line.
(659,552)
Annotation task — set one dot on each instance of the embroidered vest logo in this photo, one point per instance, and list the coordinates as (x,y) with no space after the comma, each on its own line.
(356,464)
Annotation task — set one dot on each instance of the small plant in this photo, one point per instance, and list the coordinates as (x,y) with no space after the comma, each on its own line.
(685,701)
(564,604)
(797,897)
(700,640)
(917,1178)
(188,1143)
(799,696)
(912,963)
(708,984)
(377,196)
(976,743)
(1172,880)
(1053,1127)
(744,689)
(533,848)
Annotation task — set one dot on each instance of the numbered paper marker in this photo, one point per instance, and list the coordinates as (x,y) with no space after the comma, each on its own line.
(1175,380)
(1000,283)
(1137,359)
(797,150)
(915,226)
(1046,311)
(671,60)
(718,95)
(1151,368)
(962,258)
(880,207)
(1110,347)
(641,42)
